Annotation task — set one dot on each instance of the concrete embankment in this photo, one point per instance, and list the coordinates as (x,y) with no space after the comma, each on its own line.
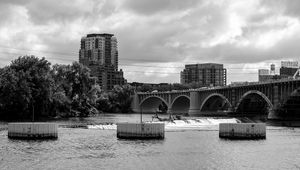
(32,130)
(242,130)
(141,130)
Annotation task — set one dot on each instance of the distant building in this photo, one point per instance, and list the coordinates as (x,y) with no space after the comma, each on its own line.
(240,83)
(151,86)
(288,68)
(207,74)
(263,72)
(290,64)
(263,75)
(266,78)
(99,52)
(287,71)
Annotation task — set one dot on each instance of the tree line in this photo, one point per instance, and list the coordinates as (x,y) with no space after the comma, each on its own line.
(31,88)
(167,87)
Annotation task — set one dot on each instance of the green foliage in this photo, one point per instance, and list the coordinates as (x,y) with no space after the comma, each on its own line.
(24,87)
(103,103)
(145,88)
(167,87)
(117,100)
(78,91)
(30,85)
(122,96)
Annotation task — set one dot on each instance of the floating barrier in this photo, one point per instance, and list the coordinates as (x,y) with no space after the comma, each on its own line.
(141,130)
(242,130)
(32,130)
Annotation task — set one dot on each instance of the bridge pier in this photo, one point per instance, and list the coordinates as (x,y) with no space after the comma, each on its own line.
(194,103)
(272,111)
(135,104)
(272,114)
(169,110)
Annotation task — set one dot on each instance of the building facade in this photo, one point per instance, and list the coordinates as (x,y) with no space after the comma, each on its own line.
(286,71)
(207,74)
(267,78)
(290,64)
(264,75)
(99,52)
(263,72)
(288,68)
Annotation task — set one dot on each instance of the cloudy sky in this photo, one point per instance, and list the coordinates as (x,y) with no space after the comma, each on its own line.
(157,37)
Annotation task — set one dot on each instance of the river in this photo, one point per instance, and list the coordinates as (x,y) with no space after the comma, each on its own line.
(192,144)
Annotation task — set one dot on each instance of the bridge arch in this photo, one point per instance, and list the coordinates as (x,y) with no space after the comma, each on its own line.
(254,102)
(290,106)
(180,104)
(151,104)
(215,97)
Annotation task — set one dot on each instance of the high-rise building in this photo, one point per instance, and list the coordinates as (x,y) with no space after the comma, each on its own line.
(207,74)
(99,52)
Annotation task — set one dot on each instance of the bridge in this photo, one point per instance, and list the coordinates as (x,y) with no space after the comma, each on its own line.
(275,99)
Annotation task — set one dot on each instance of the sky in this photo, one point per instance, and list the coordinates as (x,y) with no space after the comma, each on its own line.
(156,38)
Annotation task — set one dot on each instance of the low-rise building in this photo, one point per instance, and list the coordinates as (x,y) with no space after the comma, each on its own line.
(207,74)
(288,68)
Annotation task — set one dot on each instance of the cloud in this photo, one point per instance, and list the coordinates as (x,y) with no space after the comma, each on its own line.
(159,32)
(146,7)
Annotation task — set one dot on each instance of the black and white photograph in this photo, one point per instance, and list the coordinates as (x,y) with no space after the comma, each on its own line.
(149,84)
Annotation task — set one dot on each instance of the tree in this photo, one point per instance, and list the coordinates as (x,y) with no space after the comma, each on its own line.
(117,100)
(145,88)
(79,88)
(123,98)
(103,103)
(29,85)
(25,87)
(177,86)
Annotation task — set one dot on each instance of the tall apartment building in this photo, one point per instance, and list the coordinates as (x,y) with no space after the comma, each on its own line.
(99,52)
(207,74)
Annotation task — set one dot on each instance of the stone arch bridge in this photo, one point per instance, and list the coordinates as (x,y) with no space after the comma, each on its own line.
(272,98)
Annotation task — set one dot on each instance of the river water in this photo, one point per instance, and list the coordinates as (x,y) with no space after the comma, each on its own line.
(192,144)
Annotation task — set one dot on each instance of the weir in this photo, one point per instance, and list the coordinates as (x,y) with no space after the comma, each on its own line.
(187,124)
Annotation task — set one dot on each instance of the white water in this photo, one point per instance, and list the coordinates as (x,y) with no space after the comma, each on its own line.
(193,124)
(200,123)
(103,126)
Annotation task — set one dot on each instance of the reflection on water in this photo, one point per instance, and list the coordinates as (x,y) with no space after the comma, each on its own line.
(79,148)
